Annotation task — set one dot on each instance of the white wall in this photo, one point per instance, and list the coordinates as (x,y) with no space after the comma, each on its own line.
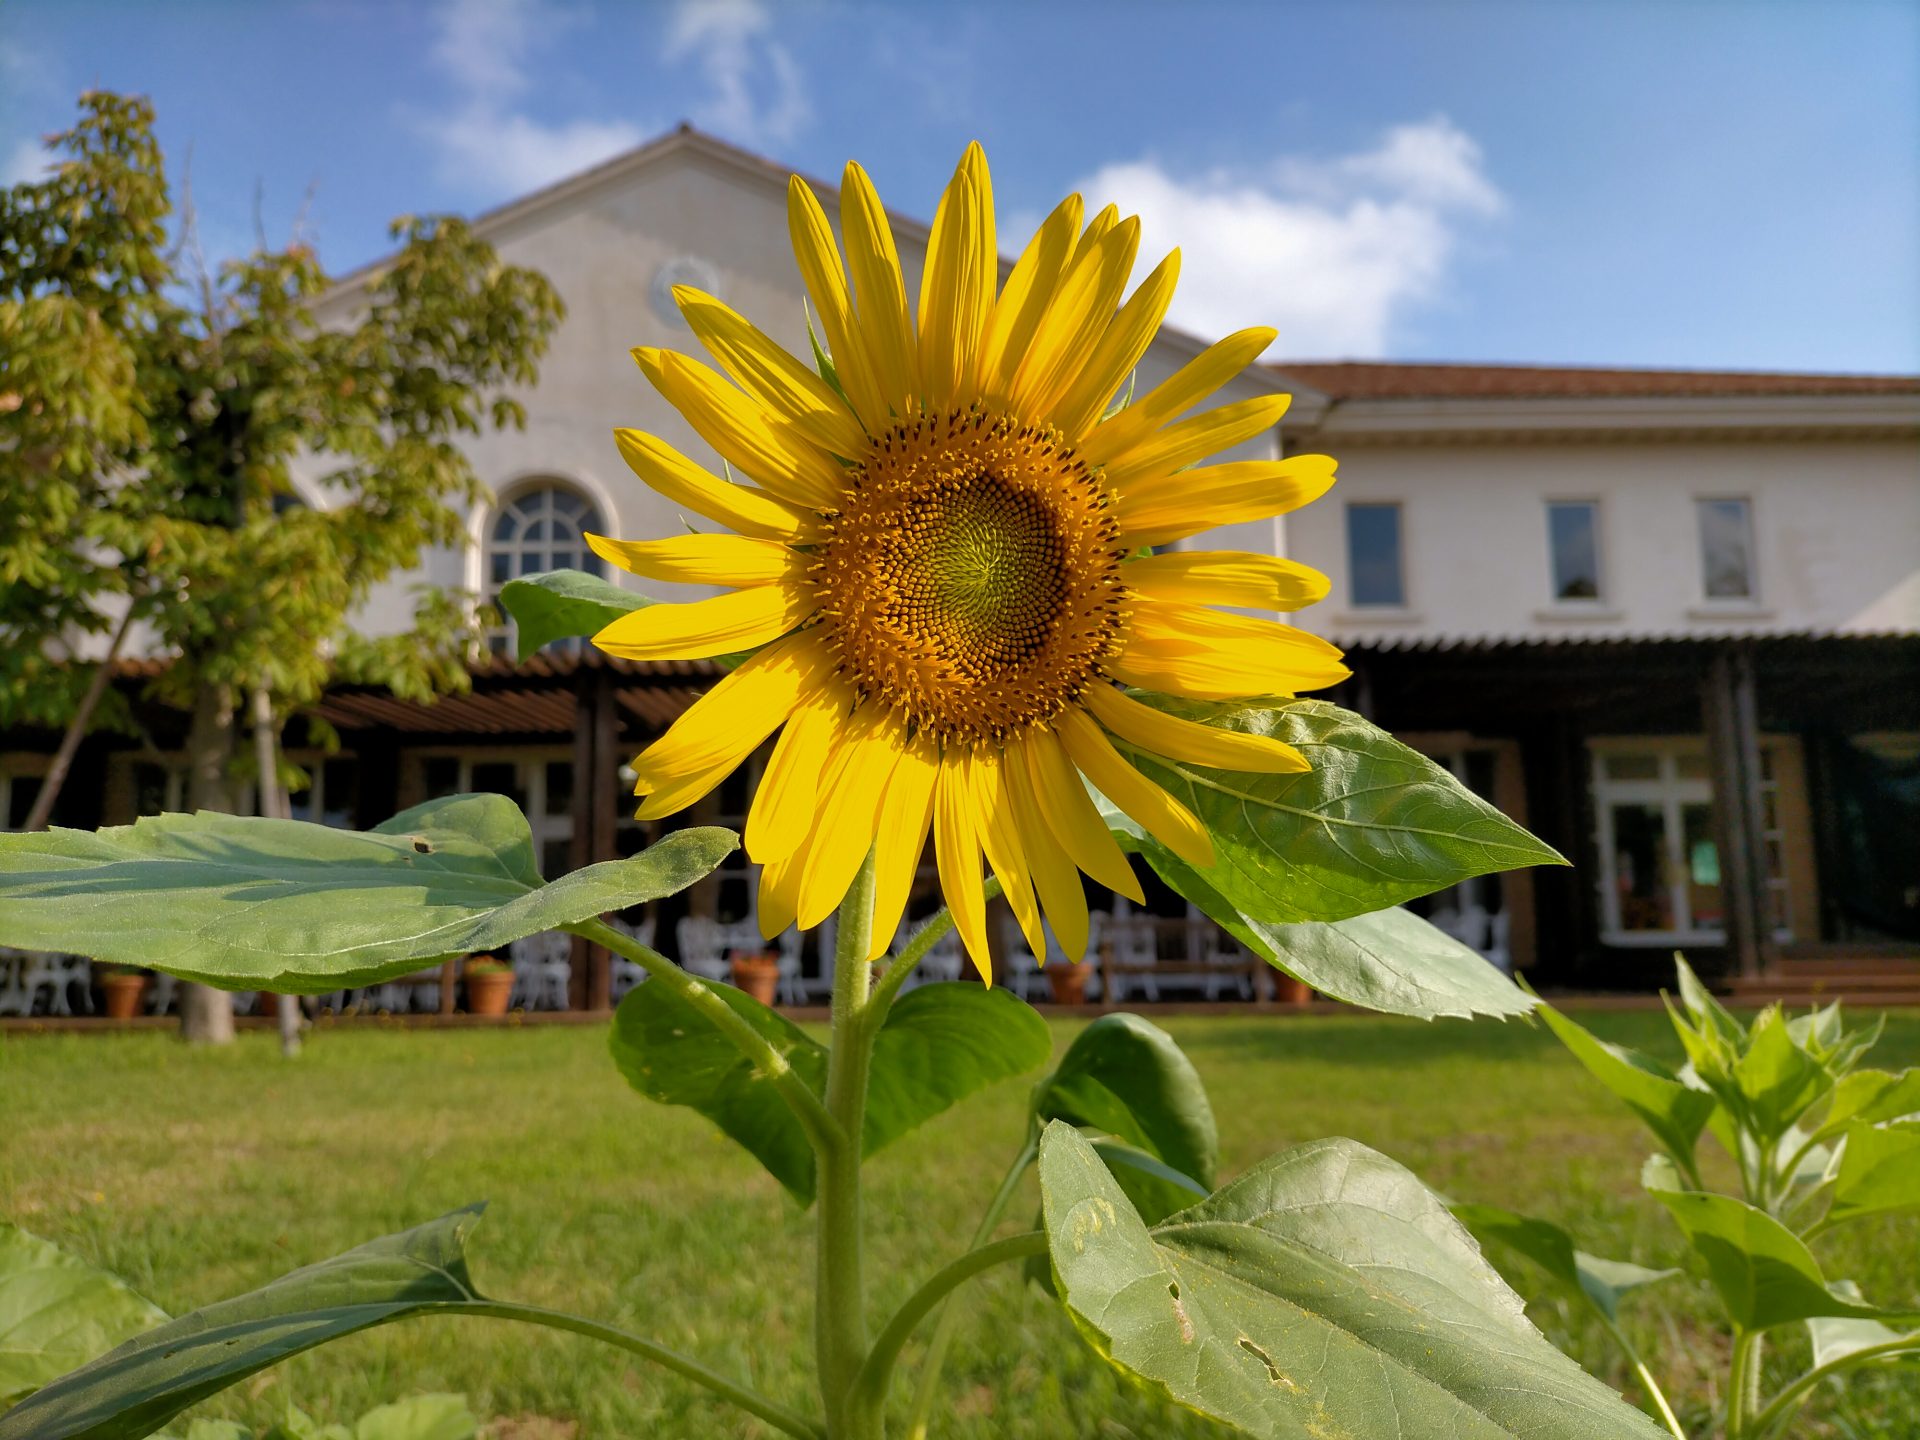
(1836,524)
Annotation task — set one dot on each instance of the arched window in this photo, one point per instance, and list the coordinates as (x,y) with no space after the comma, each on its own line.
(540,528)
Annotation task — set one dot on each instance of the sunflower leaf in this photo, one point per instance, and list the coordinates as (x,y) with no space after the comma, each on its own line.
(1325,1291)
(250,903)
(564,605)
(940,1043)
(57,1312)
(1372,824)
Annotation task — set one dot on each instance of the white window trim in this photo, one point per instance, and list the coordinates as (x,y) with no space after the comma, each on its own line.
(1404,611)
(1753,604)
(1600,606)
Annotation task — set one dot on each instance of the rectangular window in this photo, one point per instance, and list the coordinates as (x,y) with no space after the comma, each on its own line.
(1573,541)
(1726,549)
(1375,572)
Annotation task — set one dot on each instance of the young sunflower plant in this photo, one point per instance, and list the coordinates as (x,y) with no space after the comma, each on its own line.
(947,603)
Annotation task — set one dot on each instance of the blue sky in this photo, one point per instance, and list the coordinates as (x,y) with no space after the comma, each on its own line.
(1572,181)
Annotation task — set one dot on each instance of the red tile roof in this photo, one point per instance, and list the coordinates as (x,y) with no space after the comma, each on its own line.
(1387,380)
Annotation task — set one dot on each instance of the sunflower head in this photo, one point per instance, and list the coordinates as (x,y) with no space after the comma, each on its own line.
(941,557)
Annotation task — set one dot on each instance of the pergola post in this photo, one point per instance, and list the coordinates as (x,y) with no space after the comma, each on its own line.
(1731,711)
(580,845)
(603,785)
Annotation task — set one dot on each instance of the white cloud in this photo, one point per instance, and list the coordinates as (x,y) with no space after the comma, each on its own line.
(24,160)
(1332,252)
(488,140)
(759,95)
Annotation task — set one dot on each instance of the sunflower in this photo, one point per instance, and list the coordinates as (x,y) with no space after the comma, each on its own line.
(945,567)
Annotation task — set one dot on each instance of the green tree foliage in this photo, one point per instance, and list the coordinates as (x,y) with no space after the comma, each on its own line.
(155,419)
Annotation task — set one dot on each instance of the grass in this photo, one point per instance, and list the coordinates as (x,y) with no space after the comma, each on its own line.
(198,1174)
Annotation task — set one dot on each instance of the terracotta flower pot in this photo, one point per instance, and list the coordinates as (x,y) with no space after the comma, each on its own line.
(1069,982)
(488,991)
(1289,991)
(267,1005)
(124,994)
(758,975)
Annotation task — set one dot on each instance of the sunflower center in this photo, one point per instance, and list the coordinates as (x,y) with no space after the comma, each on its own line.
(971,577)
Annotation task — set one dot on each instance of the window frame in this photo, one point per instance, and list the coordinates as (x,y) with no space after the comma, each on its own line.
(1672,793)
(1596,509)
(557,554)
(1751,600)
(1397,607)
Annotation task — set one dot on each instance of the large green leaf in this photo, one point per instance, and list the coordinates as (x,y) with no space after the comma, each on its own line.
(1125,1076)
(1834,1339)
(940,1043)
(1324,1292)
(1879,1173)
(1774,1082)
(419,1417)
(1765,1273)
(1675,1112)
(57,1312)
(132,1391)
(563,605)
(1600,1281)
(298,908)
(1873,1096)
(1390,960)
(1373,823)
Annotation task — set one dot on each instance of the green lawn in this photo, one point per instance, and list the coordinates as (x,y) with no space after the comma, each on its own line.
(198,1174)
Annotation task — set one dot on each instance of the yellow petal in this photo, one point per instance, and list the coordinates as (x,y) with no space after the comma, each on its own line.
(1096,231)
(1227,577)
(1055,876)
(1181,444)
(764,368)
(1190,650)
(1073,818)
(738,507)
(902,838)
(869,747)
(885,325)
(768,449)
(732,560)
(723,625)
(1120,348)
(826,281)
(1113,437)
(780,890)
(957,851)
(1070,331)
(723,726)
(955,289)
(1188,740)
(1029,290)
(785,802)
(1157,812)
(1000,836)
(1157,512)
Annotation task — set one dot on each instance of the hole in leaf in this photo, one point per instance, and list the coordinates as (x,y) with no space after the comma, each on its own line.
(421,847)
(1273,1370)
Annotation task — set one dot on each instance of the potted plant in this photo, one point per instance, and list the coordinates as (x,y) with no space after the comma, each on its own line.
(125,987)
(757,972)
(1069,982)
(489,985)
(1290,991)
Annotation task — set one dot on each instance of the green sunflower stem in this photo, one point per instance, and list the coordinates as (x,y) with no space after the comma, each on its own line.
(840,1319)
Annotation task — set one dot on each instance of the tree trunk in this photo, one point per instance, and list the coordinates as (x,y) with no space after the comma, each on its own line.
(206,1014)
(273,804)
(56,775)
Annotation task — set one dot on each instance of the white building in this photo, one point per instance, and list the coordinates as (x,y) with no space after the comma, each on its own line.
(1669,619)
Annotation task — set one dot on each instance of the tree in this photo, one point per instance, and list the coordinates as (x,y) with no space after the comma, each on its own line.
(152,464)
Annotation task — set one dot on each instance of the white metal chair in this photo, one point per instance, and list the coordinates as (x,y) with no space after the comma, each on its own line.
(624,973)
(59,976)
(793,988)
(542,970)
(1208,944)
(1499,951)
(1022,965)
(703,947)
(15,998)
(1134,942)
